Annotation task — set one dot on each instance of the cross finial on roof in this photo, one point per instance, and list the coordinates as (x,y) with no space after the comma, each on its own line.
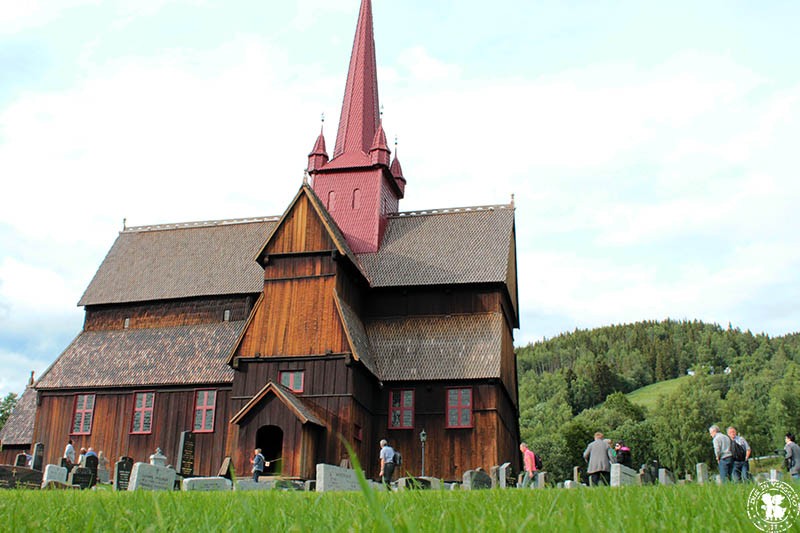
(322,122)
(381,113)
(305,176)
(395,143)
(512,199)
(124,224)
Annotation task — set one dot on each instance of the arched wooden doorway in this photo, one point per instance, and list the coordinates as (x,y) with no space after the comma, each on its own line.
(270,440)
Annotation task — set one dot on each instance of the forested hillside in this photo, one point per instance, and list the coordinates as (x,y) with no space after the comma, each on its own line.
(573,385)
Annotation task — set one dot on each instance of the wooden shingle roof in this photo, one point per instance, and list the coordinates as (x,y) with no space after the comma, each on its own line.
(181,355)
(18,429)
(181,261)
(443,247)
(437,347)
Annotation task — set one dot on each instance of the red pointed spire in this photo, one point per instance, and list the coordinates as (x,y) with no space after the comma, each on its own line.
(397,171)
(359,118)
(379,151)
(319,155)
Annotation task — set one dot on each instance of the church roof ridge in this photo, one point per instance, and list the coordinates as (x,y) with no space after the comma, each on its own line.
(199,224)
(451,210)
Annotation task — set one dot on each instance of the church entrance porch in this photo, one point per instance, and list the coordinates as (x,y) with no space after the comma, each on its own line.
(270,440)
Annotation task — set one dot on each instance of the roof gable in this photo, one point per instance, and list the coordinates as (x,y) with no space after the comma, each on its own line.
(18,429)
(292,402)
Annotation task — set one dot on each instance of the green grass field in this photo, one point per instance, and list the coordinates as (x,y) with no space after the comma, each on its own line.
(648,396)
(674,509)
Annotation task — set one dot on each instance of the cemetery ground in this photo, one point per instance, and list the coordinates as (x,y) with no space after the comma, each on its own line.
(633,508)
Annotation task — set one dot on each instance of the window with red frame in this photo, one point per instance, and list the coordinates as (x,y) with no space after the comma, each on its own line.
(459,408)
(84,411)
(204,405)
(142,421)
(401,409)
(293,380)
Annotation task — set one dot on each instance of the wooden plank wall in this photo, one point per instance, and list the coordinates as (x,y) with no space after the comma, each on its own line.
(9,453)
(173,412)
(413,301)
(301,231)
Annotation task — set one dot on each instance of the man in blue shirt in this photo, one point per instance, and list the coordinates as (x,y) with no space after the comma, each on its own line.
(258,462)
(387,462)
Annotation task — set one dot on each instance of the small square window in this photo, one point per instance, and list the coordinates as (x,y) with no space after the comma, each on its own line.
(293,380)
(401,409)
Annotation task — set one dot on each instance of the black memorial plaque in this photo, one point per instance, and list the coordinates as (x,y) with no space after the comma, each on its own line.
(15,477)
(81,476)
(91,462)
(186,454)
(38,456)
(122,473)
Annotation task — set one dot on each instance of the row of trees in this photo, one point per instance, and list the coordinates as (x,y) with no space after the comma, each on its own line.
(564,382)
(7,405)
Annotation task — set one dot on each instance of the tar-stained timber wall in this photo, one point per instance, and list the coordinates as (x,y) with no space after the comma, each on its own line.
(173,412)
(8,455)
(449,452)
(168,313)
(337,389)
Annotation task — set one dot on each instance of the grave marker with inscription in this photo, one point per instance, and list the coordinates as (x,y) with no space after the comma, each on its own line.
(186,454)
(702,473)
(206,484)
(151,477)
(122,473)
(336,478)
(12,477)
(21,460)
(54,473)
(81,476)
(38,456)
(91,463)
(225,469)
(476,480)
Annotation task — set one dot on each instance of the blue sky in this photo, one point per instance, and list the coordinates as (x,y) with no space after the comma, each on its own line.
(651,146)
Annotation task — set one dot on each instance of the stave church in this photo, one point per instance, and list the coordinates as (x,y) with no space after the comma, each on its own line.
(343,319)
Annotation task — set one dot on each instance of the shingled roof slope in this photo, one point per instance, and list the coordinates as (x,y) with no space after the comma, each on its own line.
(180,261)
(181,355)
(356,335)
(18,429)
(451,246)
(437,347)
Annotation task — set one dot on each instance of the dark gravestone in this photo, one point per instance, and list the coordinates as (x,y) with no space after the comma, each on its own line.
(21,460)
(91,462)
(38,456)
(476,479)
(64,463)
(225,469)
(12,477)
(186,454)
(80,476)
(122,473)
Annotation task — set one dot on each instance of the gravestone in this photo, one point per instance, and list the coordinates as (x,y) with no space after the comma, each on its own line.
(576,474)
(774,475)
(12,477)
(59,485)
(38,456)
(416,483)
(206,484)
(504,476)
(54,473)
(476,480)
(102,469)
(81,476)
(186,454)
(65,463)
(91,463)
(702,473)
(158,458)
(665,477)
(336,478)
(622,475)
(249,484)
(310,485)
(570,484)
(225,469)
(21,460)
(122,473)
(151,477)
(541,480)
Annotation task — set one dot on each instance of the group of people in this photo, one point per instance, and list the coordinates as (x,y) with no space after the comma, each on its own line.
(70,458)
(732,453)
(600,454)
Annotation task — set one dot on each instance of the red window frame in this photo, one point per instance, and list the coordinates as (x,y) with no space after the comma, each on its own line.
(82,411)
(463,405)
(398,412)
(205,406)
(292,385)
(144,424)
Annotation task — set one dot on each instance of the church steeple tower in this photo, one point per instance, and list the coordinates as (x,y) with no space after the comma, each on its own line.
(357,185)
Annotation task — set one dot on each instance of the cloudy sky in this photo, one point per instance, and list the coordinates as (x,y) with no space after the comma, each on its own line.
(651,146)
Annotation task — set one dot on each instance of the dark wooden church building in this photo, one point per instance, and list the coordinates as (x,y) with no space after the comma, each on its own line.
(342,316)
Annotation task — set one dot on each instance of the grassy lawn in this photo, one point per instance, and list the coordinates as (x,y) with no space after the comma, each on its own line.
(674,509)
(648,396)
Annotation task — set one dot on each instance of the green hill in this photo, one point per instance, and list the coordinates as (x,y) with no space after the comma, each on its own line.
(648,396)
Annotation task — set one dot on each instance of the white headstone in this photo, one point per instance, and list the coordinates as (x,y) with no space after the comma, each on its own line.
(622,475)
(423,482)
(206,484)
(249,484)
(158,458)
(151,477)
(335,478)
(541,480)
(774,475)
(570,484)
(702,473)
(665,477)
(54,473)
(502,475)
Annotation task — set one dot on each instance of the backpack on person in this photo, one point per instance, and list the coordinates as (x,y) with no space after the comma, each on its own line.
(398,459)
(537,461)
(738,451)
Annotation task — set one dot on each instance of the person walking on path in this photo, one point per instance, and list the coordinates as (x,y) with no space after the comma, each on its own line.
(722,452)
(387,462)
(258,461)
(597,457)
(529,464)
(792,451)
(741,469)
